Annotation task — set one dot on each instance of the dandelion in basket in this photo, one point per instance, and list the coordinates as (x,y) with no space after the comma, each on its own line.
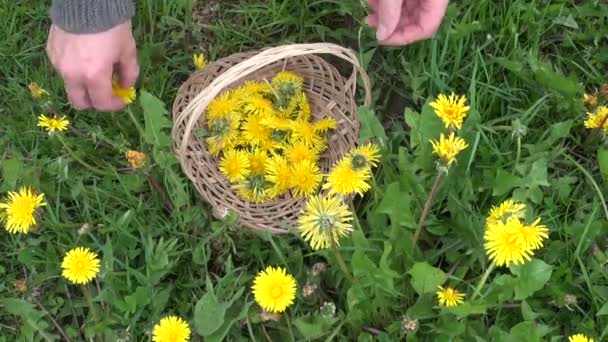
(127,95)
(449,297)
(598,119)
(171,329)
(254,188)
(224,134)
(274,289)
(80,265)
(324,221)
(305,178)
(298,151)
(136,159)
(199,60)
(21,210)
(278,175)
(257,161)
(285,86)
(53,124)
(234,164)
(36,90)
(451,110)
(508,240)
(579,338)
(448,149)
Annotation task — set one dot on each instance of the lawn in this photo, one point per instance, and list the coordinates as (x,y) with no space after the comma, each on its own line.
(524,67)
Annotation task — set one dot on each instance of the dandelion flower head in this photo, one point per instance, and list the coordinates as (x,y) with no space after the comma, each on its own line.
(52,124)
(80,265)
(451,110)
(448,149)
(127,95)
(136,159)
(20,210)
(171,329)
(274,289)
(449,297)
(579,338)
(234,164)
(324,221)
(599,119)
(344,180)
(199,60)
(36,90)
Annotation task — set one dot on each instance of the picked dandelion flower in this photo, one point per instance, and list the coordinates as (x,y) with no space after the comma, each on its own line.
(304,131)
(286,85)
(299,151)
(345,180)
(199,60)
(288,77)
(448,149)
(305,178)
(253,188)
(224,134)
(222,107)
(258,106)
(298,109)
(52,124)
(599,119)
(257,161)
(278,173)
(324,221)
(590,100)
(80,265)
(255,133)
(449,297)
(171,329)
(20,210)
(274,289)
(579,338)
(325,125)
(367,155)
(235,164)
(127,95)
(36,90)
(451,110)
(276,123)
(136,159)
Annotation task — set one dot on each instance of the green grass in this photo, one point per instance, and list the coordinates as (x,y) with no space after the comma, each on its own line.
(519,63)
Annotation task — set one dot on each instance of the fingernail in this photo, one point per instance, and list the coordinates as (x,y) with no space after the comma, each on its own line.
(382,32)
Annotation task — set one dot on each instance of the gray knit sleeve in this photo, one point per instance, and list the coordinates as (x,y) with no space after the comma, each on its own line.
(90,16)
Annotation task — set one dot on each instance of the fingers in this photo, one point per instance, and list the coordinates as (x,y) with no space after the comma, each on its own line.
(128,68)
(389,14)
(99,88)
(418,26)
(77,95)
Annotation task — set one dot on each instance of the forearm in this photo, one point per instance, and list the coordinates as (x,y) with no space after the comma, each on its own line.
(90,16)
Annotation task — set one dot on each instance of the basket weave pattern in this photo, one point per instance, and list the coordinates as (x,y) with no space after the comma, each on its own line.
(329,95)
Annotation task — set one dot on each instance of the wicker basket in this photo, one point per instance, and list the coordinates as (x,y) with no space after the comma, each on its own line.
(329,95)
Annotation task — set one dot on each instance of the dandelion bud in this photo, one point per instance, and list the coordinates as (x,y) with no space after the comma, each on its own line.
(328,310)
(136,159)
(318,268)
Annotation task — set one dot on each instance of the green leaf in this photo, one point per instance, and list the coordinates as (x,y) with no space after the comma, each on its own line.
(467,308)
(545,75)
(426,278)
(538,174)
(602,159)
(370,126)
(527,312)
(236,315)
(209,314)
(528,331)
(312,327)
(397,205)
(505,182)
(531,277)
(425,126)
(11,171)
(423,308)
(156,120)
(603,311)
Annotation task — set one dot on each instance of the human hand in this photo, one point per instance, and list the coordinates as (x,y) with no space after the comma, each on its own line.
(401,22)
(87,63)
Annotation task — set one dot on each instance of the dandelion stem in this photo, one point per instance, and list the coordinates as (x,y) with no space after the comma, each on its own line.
(82,162)
(87,295)
(293,338)
(341,263)
(53,320)
(518,156)
(138,126)
(427,207)
(483,280)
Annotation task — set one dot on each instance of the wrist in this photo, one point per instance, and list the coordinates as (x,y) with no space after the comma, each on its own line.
(90,16)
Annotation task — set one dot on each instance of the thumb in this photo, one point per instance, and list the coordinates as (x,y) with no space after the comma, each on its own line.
(389,14)
(128,68)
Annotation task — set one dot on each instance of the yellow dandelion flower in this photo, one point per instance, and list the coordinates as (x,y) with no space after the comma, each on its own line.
(275,122)
(324,221)
(305,178)
(298,108)
(253,189)
(304,131)
(448,149)
(599,119)
(449,297)
(127,95)
(288,77)
(221,107)
(136,159)
(285,87)
(224,134)
(590,100)
(52,124)
(234,164)
(255,88)
(20,210)
(344,180)
(579,338)
(274,289)
(257,161)
(504,244)
(255,133)
(80,265)
(258,106)
(506,210)
(171,329)
(451,110)
(299,151)
(199,60)
(367,155)
(324,125)
(531,236)
(278,174)
(37,91)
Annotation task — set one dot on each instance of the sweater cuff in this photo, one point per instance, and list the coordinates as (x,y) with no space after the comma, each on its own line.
(90,16)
